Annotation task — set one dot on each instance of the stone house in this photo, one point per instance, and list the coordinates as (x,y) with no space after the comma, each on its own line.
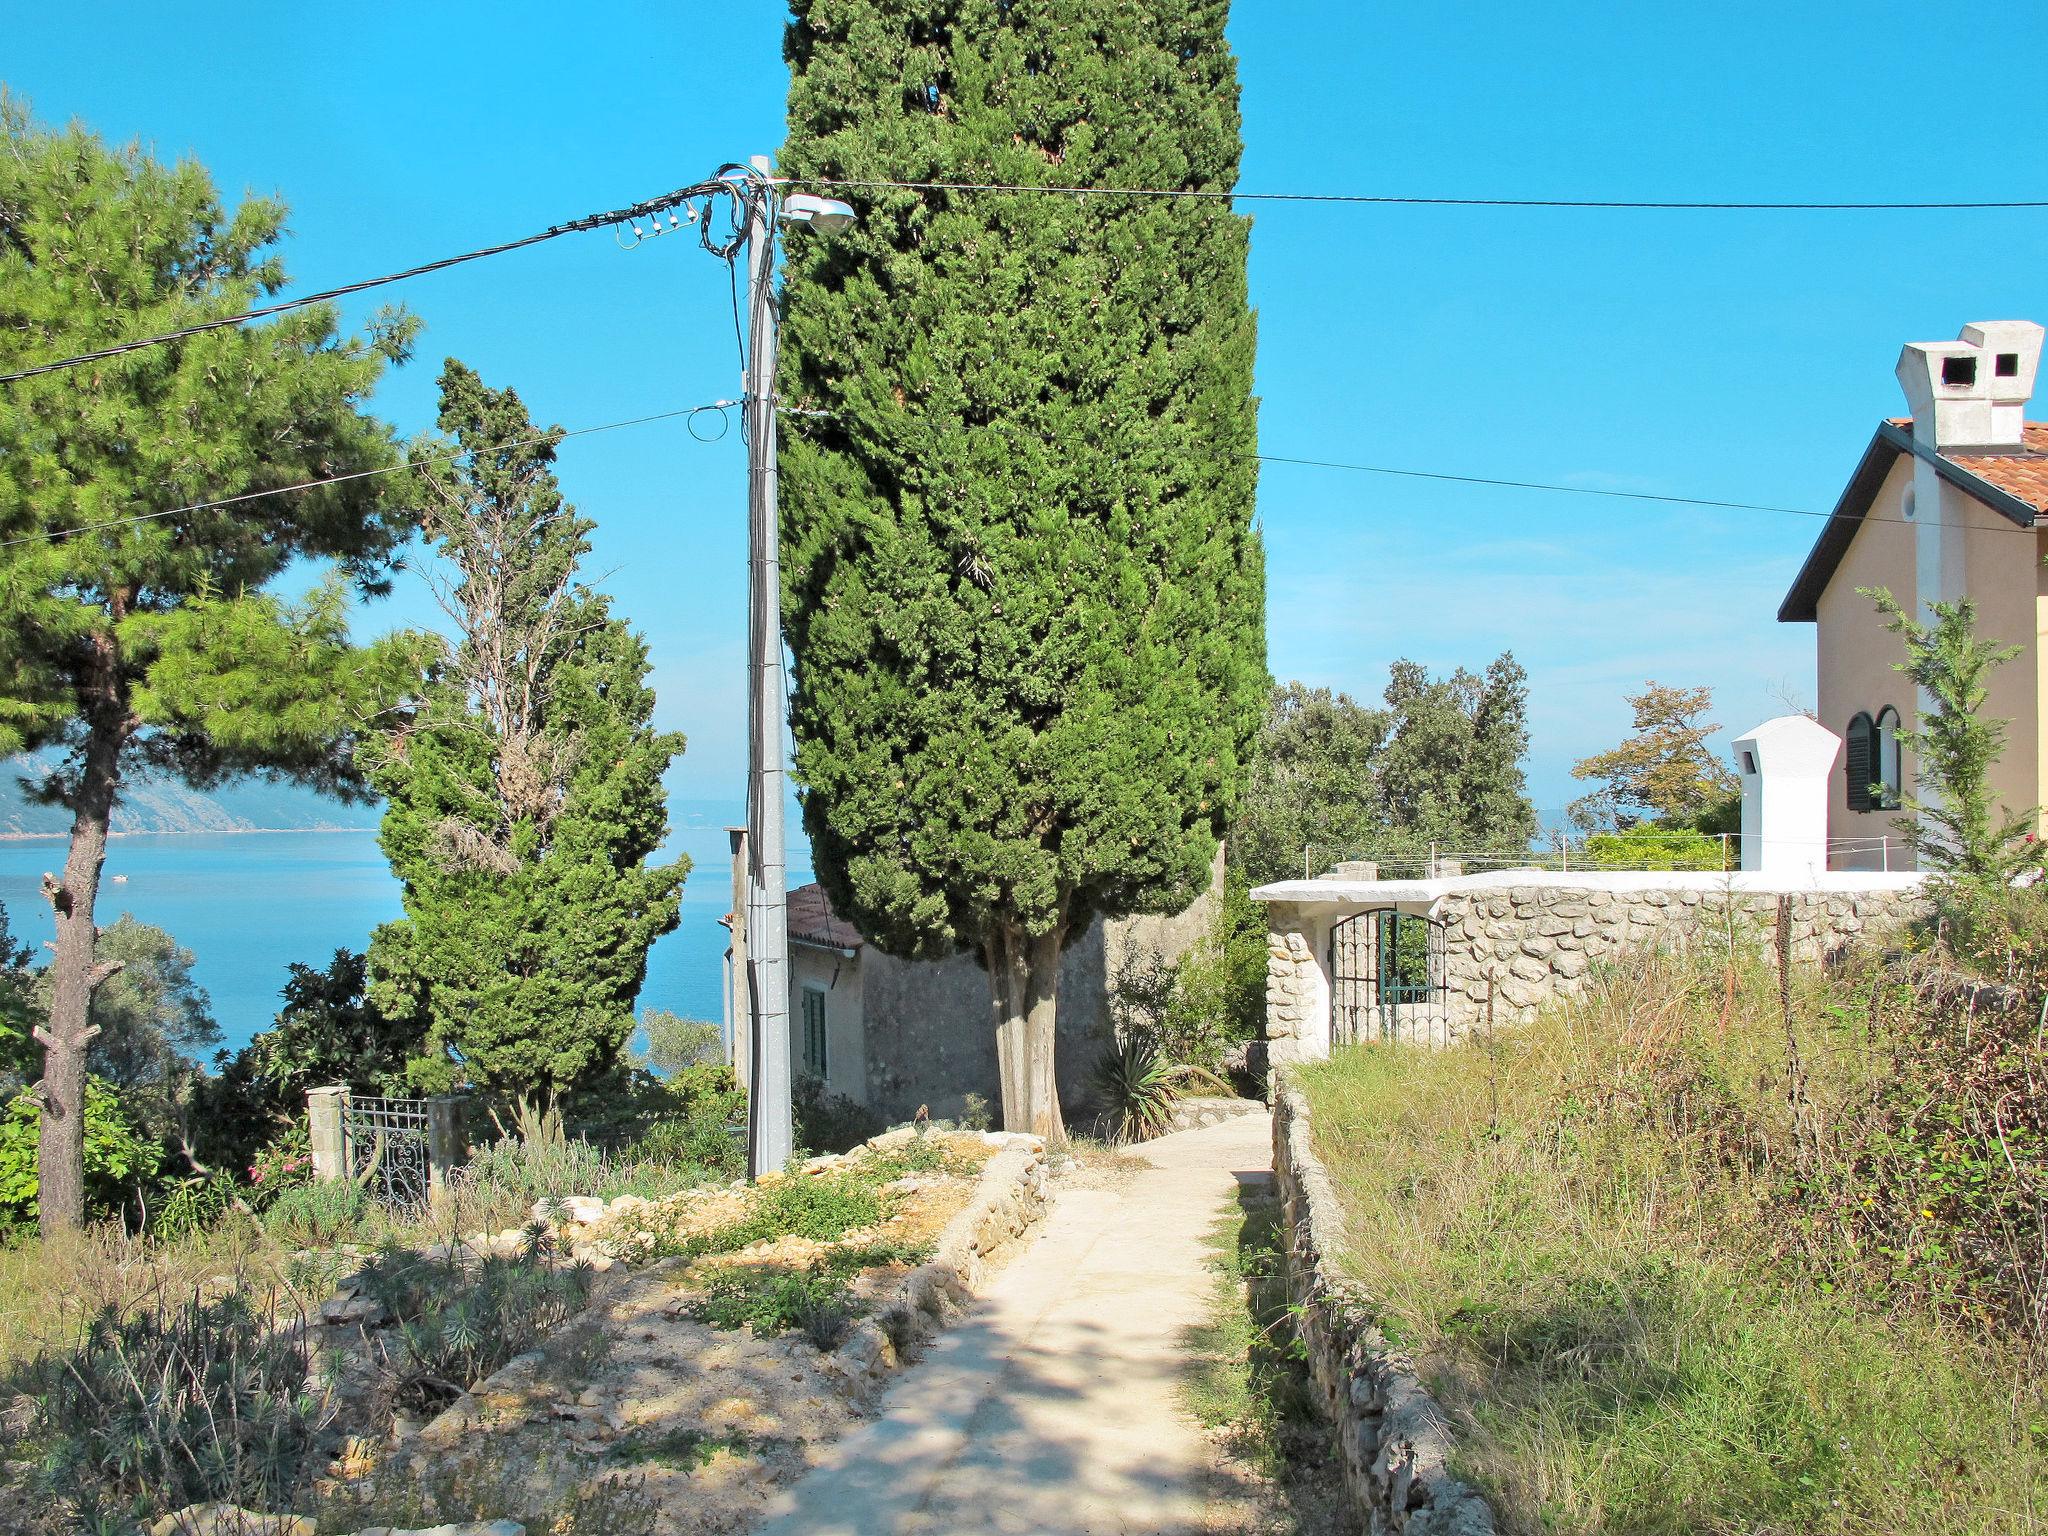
(1945,504)
(895,1035)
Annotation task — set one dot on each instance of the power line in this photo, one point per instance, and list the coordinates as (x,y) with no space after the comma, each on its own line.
(691,411)
(1538,485)
(1588,490)
(1392,200)
(629,215)
(720,186)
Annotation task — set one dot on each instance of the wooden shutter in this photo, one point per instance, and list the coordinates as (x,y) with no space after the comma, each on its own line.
(1862,762)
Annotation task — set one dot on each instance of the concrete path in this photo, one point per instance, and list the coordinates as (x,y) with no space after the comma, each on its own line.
(1052,1408)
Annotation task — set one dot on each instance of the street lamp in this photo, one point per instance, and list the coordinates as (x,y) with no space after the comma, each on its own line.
(769,1131)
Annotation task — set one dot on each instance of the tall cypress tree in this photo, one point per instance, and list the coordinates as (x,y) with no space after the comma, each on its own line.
(1025,599)
(526,796)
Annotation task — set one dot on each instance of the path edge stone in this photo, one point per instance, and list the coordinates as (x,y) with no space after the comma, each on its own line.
(1393,1439)
(1008,1202)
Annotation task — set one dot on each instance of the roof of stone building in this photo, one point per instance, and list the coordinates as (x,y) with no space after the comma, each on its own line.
(2010,481)
(812,920)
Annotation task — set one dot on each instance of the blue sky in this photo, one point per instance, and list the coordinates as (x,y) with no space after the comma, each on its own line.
(1743,356)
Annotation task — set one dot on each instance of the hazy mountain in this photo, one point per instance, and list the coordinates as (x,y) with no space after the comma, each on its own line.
(160,806)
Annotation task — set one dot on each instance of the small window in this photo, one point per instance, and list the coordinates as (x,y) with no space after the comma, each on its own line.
(1890,779)
(2008,365)
(814,1032)
(1959,372)
(1861,743)
(1749,762)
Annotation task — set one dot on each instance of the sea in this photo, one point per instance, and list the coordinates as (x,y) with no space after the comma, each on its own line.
(248,904)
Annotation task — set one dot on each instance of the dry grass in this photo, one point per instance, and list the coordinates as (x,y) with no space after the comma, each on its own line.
(1600,1237)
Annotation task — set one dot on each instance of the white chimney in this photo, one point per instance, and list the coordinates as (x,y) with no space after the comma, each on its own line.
(1972,392)
(1785,764)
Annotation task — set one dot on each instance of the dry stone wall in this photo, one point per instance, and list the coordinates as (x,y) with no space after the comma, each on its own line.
(1533,943)
(1290,985)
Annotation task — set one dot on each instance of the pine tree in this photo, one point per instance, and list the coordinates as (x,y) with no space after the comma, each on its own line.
(1024,595)
(525,796)
(137,636)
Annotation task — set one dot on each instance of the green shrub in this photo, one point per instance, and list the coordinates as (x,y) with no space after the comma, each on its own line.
(179,1405)
(827,1121)
(119,1160)
(318,1215)
(460,1320)
(1653,847)
(772,1300)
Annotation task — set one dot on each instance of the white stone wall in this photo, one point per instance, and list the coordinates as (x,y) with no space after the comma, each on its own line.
(1526,942)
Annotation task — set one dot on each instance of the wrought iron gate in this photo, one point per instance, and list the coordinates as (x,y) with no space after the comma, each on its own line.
(1387,979)
(388,1150)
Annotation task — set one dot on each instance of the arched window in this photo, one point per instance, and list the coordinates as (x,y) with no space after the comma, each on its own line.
(1889,773)
(1861,742)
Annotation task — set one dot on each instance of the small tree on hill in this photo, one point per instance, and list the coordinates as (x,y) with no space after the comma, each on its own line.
(1665,770)
(138,637)
(525,794)
(1451,770)
(1956,826)
(1024,595)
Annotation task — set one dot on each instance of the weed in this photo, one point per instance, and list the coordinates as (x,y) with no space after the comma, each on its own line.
(691,1448)
(771,1299)
(317,1215)
(1642,1281)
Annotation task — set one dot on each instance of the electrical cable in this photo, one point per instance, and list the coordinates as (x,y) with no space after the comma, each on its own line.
(749,179)
(1389,200)
(628,215)
(1588,490)
(550,437)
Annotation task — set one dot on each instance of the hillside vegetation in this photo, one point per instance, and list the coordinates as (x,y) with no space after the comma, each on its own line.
(1716,1249)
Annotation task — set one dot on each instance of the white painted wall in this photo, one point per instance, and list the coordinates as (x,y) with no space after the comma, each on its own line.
(1785,766)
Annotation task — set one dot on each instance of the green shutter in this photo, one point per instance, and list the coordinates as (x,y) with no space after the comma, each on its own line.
(1862,762)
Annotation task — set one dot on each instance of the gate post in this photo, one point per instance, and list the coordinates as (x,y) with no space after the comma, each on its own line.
(326,1121)
(444,1144)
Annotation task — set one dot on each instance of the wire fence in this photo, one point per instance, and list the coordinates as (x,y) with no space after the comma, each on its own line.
(1605,852)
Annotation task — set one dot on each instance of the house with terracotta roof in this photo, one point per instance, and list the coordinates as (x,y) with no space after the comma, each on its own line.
(1948,503)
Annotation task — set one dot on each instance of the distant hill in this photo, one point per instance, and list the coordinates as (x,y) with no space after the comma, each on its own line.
(160,806)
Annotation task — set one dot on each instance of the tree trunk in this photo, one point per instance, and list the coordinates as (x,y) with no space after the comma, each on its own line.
(1024,980)
(74,976)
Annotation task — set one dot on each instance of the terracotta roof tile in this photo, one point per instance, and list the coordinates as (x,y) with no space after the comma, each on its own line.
(812,920)
(2021,472)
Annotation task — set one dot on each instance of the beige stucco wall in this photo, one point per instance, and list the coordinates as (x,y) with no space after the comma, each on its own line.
(1856,654)
(2001,563)
(838,977)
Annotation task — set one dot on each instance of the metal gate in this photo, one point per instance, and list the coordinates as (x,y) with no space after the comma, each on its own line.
(1387,979)
(388,1150)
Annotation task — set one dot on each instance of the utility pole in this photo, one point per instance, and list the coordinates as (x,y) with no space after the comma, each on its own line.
(770,1133)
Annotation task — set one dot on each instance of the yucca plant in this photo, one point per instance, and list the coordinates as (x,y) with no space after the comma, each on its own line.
(1137,1087)
(459,1321)
(185,1404)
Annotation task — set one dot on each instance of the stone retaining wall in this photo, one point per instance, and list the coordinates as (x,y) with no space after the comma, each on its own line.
(1392,1438)
(1008,1202)
(1532,943)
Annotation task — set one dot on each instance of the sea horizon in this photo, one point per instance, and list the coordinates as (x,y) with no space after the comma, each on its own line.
(249,902)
